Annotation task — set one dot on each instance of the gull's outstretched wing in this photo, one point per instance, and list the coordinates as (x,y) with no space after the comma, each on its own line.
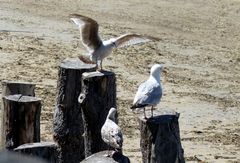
(88,31)
(131,39)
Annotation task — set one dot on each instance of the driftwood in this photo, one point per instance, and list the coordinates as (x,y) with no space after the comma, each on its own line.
(13,157)
(45,150)
(97,97)
(160,138)
(101,157)
(68,125)
(21,120)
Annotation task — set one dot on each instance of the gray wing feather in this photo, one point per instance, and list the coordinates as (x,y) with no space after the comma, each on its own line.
(149,94)
(89,31)
(131,39)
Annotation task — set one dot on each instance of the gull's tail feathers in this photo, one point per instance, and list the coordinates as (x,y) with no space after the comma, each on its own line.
(86,60)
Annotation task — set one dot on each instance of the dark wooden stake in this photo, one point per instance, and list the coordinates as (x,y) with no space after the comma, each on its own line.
(14,87)
(21,119)
(14,157)
(160,138)
(44,150)
(97,97)
(101,157)
(67,122)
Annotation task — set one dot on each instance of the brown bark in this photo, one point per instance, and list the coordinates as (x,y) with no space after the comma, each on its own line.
(160,138)
(21,120)
(68,125)
(97,97)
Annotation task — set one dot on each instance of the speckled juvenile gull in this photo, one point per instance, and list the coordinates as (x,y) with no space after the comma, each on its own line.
(111,132)
(149,93)
(98,49)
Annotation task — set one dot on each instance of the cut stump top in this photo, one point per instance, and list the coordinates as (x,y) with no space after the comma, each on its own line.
(21,98)
(87,75)
(76,63)
(4,82)
(160,116)
(13,157)
(34,145)
(101,157)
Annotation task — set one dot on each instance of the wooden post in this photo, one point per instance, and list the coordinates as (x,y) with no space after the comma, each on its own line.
(160,138)
(101,157)
(13,157)
(67,121)
(13,87)
(97,97)
(21,119)
(44,150)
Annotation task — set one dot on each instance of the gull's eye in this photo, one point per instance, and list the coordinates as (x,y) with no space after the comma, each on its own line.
(114,44)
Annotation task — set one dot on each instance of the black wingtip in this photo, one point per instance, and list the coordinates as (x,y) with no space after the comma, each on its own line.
(138,106)
(133,107)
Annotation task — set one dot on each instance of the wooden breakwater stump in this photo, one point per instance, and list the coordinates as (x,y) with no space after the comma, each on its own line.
(21,120)
(67,121)
(44,150)
(15,87)
(97,97)
(160,138)
(13,157)
(11,88)
(101,157)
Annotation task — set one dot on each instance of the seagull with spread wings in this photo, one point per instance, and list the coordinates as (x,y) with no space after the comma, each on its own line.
(98,49)
(149,93)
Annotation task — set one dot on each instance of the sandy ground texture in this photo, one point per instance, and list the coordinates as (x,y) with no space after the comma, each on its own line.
(199,49)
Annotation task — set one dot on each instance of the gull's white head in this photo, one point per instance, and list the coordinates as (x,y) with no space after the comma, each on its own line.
(111,43)
(155,71)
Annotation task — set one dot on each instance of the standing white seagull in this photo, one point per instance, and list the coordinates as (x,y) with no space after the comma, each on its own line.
(98,49)
(111,132)
(150,92)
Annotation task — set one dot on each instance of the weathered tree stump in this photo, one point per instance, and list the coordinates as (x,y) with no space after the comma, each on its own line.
(101,157)
(13,157)
(21,120)
(160,138)
(45,150)
(13,87)
(96,99)
(67,122)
